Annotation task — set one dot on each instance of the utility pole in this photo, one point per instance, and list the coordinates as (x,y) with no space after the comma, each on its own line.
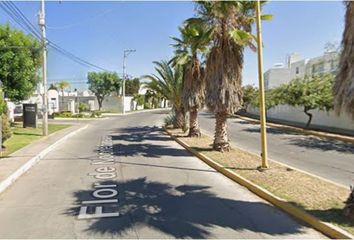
(261,87)
(41,24)
(125,55)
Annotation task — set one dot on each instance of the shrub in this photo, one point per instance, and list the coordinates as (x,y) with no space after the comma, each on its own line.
(63,114)
(147,105)
(3,105)
(83,107)
(170,119)
(6,129)
(95,114)
(79,115)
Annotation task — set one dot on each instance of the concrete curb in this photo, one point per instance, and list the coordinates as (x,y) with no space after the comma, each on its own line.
(30,163)
(134,112)
(320,134)
(78,119)
(285,165)
(326,228)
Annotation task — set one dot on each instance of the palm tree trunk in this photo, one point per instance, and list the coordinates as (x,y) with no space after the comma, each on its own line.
(194,130)
(344,83)
(179,121)
(221,141)
(348,210)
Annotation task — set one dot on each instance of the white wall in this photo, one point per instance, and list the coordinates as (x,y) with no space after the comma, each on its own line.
(320,118)
(53,101)
(128,103)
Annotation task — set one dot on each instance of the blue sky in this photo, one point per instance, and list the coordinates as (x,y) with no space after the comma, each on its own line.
(99,32)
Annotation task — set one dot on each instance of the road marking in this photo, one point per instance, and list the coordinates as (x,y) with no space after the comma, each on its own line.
(104,194)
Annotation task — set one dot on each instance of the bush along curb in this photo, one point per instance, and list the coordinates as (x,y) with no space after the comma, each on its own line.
(325,135)
(325,228)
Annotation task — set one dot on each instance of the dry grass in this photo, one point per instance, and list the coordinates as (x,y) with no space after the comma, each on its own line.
(320,198)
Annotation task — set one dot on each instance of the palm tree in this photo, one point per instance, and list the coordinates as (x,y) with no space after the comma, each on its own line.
(194,41)
(168,83)
(62,85)
(343,88)
(231,23)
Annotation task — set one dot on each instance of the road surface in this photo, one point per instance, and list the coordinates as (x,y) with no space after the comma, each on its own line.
(123,178)
(330,159)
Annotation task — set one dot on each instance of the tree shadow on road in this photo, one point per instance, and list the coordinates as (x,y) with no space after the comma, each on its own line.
(310,142)
(145,141)
(184,211)
(324,145)
(275,131)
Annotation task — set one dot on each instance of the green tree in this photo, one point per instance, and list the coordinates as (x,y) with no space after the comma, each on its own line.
(249,94)
(132,86)
(102,84)
(310,93)
(62,85)
(20,59)
(272,98)
(168,83)
(193,43)
(231,23)
(117,85)
(139,99)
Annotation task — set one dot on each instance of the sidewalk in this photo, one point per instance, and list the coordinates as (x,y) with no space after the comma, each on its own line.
(17,163)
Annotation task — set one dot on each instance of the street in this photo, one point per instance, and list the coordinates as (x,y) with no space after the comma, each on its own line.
(333,160)
(124,178)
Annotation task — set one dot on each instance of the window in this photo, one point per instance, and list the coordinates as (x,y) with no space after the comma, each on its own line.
(297,70)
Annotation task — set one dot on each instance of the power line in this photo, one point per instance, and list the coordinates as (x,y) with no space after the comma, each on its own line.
(15,13)
(14,16)
(81,22)
(73,57)
(21,16)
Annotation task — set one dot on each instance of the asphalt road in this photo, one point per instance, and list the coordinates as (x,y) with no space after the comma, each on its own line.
(333,160)
(125,165)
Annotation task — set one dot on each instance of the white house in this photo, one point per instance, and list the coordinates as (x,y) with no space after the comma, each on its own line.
(53,101)
(299,68)
(295,67)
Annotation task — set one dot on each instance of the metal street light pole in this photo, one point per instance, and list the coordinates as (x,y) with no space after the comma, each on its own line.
(262,110)
(44,69)
(125,55)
